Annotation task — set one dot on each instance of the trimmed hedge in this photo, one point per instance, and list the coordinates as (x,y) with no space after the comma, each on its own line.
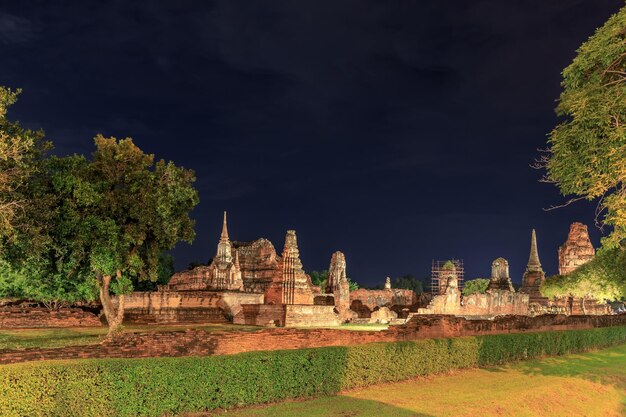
(157,386)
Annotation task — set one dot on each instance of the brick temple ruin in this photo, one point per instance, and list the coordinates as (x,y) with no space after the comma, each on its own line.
(501,298)
(577,249)
(249,283)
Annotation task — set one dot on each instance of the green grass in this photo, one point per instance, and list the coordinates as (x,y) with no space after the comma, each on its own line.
(589,384)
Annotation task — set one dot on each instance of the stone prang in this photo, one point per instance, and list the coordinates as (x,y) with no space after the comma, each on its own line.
(577,249)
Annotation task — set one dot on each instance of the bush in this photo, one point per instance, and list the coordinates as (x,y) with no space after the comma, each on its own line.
(157,386)
(475,286)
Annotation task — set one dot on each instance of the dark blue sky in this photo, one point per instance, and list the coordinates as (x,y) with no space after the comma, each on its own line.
(394,131)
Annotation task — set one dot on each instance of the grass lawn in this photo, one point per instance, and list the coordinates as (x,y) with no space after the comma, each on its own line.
(59,337)
(590,384)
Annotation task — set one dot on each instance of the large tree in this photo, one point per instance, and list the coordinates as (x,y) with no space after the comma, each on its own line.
(21,152)
(586,155)
(119,212)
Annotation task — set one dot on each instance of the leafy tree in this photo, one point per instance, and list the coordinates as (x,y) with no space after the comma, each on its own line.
(409,282)
(353,285)
(603,278)
(21,152)
(319,278)
(586,155)
(165,270)
(118,213)
(475,286)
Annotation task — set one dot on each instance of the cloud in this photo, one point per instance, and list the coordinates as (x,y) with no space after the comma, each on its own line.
(15,29)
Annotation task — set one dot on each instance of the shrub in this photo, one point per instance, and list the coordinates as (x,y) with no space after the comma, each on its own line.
(158,386)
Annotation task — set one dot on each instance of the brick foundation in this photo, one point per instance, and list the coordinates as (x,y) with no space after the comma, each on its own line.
(32,317)
(199,342)
(186,306)
(287,315)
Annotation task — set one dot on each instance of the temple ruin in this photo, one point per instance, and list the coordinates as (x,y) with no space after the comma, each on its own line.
(577,249)
(246,282)
(500,297)
(249,283)
(534,275)
(500,279)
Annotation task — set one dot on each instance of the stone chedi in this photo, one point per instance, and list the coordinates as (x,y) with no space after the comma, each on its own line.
(290,285)
(534,275)
(387,283)
(577,250)
(223,273)
(500,279)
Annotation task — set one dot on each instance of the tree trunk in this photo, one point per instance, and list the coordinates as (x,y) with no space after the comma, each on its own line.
(113,315)
(583,306)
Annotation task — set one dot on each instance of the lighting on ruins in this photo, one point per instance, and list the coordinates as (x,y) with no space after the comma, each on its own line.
(500,279)
(534,275)
(577,249)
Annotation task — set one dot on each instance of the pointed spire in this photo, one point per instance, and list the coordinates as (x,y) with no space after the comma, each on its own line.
(533,259)
(224,235)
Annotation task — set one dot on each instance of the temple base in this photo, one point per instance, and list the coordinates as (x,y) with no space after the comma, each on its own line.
(287,315)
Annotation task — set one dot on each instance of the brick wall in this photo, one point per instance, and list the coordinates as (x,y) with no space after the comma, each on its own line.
(186,306)
(200,342)
(290,315)
(29,317)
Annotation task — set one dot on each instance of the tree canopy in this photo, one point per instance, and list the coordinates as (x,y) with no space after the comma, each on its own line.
(21,152)
(586,155)
(603,278)
(475,286)
(409,282)
(126,210)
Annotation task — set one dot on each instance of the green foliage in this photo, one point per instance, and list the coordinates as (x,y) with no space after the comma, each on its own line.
(448,265)
(21,152)
(603,278)
(164,273)
(158,386)
(475,286)
(319,277)
(409,282)
(587,152)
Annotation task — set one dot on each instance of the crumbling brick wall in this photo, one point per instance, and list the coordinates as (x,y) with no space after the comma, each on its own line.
(31,317)
(200,342)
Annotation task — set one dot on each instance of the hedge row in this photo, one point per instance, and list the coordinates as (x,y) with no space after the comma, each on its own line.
(158,386)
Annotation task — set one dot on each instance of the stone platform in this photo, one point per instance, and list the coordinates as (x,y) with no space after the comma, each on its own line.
(287,315)
(186,306)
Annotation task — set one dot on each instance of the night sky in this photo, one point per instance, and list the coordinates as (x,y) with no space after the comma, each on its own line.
(394,131)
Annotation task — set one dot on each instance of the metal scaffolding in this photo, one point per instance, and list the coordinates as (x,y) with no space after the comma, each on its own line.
(437,268)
